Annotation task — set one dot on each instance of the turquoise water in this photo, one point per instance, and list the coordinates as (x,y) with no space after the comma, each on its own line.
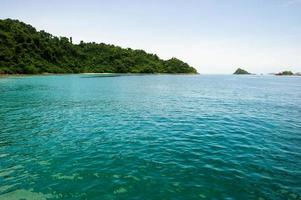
(150,137)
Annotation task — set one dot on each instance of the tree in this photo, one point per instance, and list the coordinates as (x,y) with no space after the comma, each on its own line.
(23,49)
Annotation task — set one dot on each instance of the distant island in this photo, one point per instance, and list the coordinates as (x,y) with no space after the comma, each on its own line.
(240,71)
(286,73)
(24,50)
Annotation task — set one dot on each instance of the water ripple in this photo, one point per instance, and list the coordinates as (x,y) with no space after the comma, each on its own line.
(150,137)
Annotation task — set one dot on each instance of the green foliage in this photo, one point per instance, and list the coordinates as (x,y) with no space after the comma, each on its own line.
(285,73)
(25,50)
(241,71)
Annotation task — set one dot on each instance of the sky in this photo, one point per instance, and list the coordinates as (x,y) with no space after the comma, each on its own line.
(214,36)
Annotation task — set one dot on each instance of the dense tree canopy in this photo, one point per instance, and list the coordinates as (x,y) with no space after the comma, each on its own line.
(24,50)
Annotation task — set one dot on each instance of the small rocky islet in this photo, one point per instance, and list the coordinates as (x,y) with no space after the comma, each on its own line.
(241,71)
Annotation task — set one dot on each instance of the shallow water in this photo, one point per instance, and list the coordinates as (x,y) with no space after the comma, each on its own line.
(150,137)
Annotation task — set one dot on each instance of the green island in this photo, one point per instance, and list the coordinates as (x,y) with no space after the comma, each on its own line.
(285,73)
(240,71)
(24,50)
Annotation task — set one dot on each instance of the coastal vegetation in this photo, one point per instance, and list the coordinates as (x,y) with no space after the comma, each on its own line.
(285,73)
(241,71)
(24,50)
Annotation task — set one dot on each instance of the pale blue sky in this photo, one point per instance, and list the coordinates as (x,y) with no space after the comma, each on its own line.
(215,36)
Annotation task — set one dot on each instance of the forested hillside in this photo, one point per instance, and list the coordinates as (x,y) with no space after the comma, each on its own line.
(24,50)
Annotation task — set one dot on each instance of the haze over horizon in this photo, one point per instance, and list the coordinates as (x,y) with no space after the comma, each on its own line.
(212,36)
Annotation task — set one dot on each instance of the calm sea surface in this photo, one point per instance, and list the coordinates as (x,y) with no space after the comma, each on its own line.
(150,137)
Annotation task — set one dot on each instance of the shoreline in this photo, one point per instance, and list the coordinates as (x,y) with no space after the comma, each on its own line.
(121,74)
(137,74)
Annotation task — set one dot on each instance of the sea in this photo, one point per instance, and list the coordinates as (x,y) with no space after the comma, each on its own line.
(160,137)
